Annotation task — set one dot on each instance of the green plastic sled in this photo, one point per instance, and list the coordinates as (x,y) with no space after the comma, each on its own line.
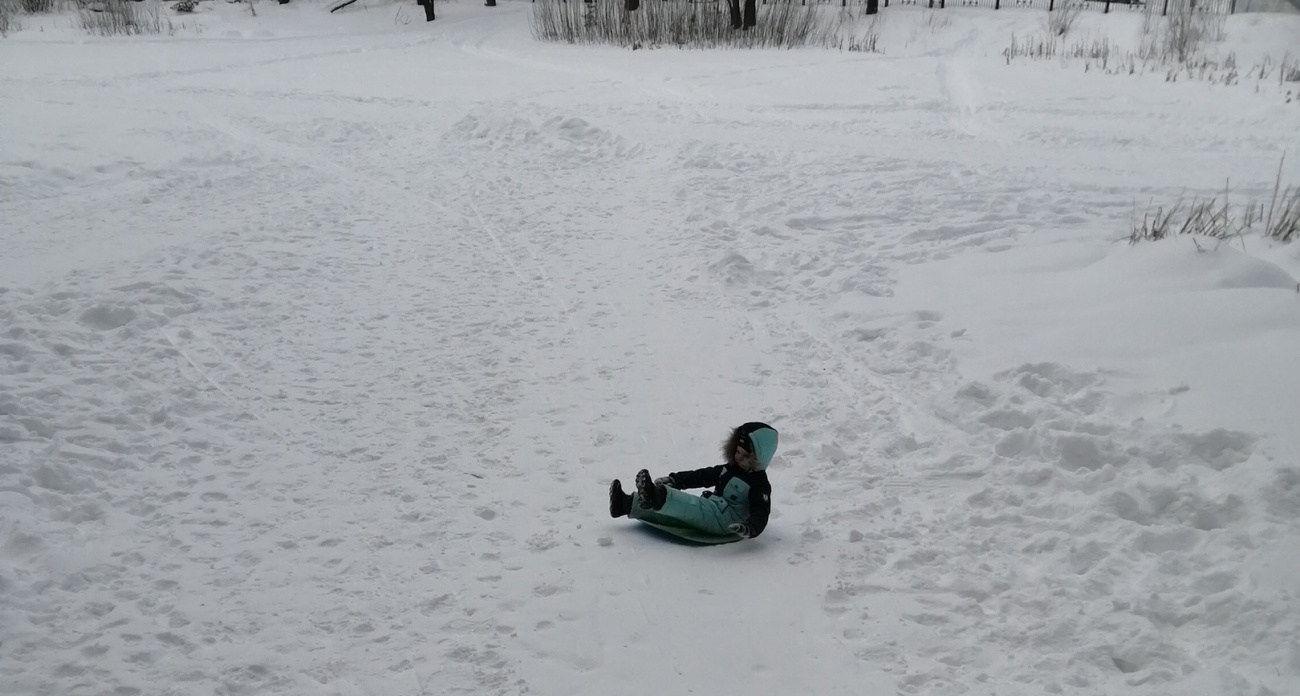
(691,534)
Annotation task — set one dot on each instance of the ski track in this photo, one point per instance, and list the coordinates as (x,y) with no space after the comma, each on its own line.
(361,369)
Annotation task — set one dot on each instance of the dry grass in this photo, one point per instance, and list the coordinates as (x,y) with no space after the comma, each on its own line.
(1061,20)
(701,25)
(1181,36)
(8,17)
(124,18)
(1277,219)
(1174,47)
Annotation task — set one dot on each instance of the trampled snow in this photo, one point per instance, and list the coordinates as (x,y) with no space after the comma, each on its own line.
(321,336)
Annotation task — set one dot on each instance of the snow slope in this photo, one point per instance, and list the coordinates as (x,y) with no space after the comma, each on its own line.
(322,335)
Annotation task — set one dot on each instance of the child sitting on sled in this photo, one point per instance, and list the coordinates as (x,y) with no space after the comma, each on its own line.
(739,503)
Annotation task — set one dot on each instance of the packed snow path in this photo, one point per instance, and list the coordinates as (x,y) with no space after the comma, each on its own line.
(318,351)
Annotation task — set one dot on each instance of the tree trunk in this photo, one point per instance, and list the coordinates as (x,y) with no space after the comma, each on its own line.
(428,9)
(733,6)
(490,3)
(873,6)
(632,5)
(751,14)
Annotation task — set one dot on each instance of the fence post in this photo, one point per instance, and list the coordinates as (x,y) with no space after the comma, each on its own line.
(1107,11)
(1051,6)
(1165,12)
(1232,9)
(997,4)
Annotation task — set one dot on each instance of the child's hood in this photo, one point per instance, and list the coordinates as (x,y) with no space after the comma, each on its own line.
(764,438)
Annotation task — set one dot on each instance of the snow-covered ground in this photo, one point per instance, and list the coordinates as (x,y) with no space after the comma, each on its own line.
(322,335)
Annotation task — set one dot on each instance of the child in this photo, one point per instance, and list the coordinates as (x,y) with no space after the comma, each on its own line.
(739,503)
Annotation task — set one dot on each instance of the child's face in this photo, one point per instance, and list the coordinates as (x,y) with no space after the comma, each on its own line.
(745,459)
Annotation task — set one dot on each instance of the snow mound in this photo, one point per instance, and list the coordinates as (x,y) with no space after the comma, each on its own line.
(733,269)
(1197,264)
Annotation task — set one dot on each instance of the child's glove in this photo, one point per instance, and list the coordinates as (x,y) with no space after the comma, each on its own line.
(739,529)
(666,481)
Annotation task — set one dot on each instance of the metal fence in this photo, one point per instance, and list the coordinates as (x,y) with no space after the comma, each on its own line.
(1162,7)
(1051,5)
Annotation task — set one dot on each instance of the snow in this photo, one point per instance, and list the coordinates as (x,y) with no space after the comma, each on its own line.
(322,335)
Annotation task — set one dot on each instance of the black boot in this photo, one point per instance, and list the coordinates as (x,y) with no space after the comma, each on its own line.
(652,496)
(620,503)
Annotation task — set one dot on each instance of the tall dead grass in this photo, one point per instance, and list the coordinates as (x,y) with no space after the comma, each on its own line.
(1277,218)
(707,24)
(8,17)
(124,18)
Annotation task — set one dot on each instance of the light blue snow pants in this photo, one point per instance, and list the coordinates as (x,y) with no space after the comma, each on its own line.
(712,514)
